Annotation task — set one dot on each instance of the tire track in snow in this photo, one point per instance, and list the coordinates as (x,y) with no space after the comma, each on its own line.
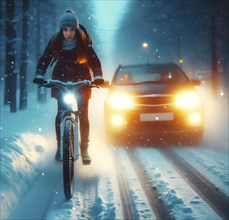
(123,188)
(152,194)
(82,205)
(89,193)
(134,200)
(207,190)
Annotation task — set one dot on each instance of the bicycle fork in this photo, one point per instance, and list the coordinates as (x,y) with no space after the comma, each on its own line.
(73,117)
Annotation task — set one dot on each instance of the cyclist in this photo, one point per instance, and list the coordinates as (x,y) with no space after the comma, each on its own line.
(71,49)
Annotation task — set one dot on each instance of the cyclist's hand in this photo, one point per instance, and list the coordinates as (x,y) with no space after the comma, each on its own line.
(39,79)
(98,81)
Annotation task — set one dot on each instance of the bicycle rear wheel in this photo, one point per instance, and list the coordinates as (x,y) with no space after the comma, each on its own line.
(68,158)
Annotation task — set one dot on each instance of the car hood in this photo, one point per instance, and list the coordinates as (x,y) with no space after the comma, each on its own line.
(144,89)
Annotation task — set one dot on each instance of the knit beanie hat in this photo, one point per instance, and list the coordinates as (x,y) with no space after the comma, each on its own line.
(69,19)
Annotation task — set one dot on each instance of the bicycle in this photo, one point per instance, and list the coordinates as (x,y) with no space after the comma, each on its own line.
(69,141)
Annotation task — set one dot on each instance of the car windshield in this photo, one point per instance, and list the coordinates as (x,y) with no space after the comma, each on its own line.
(150,74)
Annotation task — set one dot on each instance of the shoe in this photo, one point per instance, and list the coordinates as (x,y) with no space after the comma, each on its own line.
(86,159)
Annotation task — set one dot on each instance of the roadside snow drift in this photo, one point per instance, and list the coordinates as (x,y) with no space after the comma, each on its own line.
(20,161)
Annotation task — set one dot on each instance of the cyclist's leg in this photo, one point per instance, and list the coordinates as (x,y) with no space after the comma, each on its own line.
(60,108)
(84,128)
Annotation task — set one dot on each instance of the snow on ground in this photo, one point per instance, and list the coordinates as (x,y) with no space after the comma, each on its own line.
(142,209)
(20,168)
(183,202)
(27,165)
(211,164)
(31,180)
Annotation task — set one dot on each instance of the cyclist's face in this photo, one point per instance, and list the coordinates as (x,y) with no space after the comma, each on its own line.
(69,33)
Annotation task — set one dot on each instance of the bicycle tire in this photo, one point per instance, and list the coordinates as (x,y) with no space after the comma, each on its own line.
(68,159)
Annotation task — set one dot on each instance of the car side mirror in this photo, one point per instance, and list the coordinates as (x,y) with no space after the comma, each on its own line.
(106,84)
(196,82)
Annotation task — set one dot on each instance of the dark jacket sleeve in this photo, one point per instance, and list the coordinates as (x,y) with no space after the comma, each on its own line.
(44,60)
(93,59)
(94,63)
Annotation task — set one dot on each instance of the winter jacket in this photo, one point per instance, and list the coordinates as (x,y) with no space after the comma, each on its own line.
(71,65)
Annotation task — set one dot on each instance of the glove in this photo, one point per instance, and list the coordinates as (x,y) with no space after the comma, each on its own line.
(98,81)
(39,79)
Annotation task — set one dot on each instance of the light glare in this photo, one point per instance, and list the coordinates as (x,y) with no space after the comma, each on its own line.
(195,118)
(121,101)
(145,45)
(188,100)
(69,98)
(117,120)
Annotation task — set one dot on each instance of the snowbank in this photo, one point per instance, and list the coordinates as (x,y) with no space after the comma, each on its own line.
(21,158)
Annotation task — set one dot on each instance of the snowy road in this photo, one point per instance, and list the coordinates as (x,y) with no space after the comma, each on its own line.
(203,186)
(99,193)
(169,191)
(121,183)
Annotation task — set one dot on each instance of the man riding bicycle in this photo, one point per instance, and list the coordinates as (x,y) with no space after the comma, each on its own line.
(71,49)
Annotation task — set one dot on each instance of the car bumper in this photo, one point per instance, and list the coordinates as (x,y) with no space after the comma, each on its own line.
(155,122)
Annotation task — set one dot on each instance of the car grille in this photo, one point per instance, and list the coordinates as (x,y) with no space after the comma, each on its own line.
(154,100)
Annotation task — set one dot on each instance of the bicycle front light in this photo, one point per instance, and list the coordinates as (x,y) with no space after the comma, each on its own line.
(69,98)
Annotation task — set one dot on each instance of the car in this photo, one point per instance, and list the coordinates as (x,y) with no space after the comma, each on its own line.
(153,101)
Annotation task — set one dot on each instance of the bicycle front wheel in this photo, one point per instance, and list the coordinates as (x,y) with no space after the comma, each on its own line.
(68,158)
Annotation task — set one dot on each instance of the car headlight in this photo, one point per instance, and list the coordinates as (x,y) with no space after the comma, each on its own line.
(188,100)
(117,120)
(120,101)
(195,118)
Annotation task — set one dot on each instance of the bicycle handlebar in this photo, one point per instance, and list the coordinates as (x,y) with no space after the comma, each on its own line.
(69,84)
